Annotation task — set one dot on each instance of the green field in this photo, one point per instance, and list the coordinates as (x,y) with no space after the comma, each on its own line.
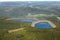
(28,33)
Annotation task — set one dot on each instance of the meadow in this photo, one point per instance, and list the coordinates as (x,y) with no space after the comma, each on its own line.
(28,33)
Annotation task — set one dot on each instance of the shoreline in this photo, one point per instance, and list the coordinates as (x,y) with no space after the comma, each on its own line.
(52,24)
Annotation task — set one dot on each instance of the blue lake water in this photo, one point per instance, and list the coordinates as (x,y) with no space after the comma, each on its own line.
(42,25)
(38,25)
(25,20)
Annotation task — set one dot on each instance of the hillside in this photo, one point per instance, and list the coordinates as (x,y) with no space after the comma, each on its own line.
(18,30)
(27,32)
(21,9)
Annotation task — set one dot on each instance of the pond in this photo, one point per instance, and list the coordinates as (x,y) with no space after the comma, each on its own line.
(42,25)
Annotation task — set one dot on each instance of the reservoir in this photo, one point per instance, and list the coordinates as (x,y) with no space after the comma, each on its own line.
(43,25)
(25,20)
(38,23)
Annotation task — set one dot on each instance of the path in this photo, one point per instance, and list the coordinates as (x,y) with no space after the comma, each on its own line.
(14,30)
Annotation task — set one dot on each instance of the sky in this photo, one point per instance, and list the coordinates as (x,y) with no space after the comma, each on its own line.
(27,0)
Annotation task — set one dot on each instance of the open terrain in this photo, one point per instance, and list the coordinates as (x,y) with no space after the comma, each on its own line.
(13,30)
(28,32)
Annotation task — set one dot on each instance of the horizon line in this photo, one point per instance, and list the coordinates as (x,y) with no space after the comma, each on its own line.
(29,1)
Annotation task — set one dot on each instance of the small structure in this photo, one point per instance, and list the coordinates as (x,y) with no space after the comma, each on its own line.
(43,23)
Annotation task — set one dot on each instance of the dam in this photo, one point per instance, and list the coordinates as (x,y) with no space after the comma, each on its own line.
(43,24)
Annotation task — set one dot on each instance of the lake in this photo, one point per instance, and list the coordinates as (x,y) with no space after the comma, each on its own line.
(37,25)
(25,20)
(42,25)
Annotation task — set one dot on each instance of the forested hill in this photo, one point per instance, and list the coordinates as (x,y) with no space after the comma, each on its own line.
(17,9)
